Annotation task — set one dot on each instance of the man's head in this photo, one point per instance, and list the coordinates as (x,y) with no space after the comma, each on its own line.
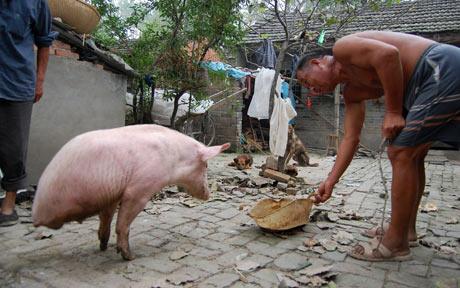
(317,74)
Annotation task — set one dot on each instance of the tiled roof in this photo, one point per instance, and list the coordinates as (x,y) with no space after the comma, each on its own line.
(417,17)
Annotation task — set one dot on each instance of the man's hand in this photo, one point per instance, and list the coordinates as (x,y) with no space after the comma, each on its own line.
(324,192)
(38,90)
(393,123)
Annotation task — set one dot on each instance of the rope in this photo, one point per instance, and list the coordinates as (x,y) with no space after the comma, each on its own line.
(384,182)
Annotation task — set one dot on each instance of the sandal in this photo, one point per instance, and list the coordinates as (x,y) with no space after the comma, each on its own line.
(374,252)
(377,231)
(8,220)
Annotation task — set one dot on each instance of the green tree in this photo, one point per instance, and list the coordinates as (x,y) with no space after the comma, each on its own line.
(173,49)
(169,38)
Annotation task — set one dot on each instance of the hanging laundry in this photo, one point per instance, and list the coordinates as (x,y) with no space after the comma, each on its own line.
(321,37)
(286,93)
(259,106)
(266,55)
(284,89)
(230,71)
(283,112)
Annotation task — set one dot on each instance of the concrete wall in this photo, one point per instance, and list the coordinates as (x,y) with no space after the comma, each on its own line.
(79,97)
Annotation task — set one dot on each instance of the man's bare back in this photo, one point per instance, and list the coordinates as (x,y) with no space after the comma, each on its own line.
(364,77)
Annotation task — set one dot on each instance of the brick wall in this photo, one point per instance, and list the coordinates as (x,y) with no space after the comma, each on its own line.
(313,129)
(61,49)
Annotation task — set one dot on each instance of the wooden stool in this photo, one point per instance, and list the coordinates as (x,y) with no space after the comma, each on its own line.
(332,144)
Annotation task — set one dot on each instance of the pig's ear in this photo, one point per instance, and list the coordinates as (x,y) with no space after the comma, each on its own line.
(210,152)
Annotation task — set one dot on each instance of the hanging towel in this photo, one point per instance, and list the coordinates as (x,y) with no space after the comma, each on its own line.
(286,93)
(259,107)
(282,113)
(266,55)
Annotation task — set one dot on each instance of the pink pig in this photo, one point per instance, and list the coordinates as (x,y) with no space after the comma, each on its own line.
(97,171)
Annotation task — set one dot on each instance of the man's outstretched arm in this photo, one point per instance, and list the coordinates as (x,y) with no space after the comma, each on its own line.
(354,118)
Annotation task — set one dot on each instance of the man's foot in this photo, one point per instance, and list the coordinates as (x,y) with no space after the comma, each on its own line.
(8,219)
(377,231)
(374,251)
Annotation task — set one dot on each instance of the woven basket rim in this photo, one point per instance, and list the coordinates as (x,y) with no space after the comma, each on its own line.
(90,6)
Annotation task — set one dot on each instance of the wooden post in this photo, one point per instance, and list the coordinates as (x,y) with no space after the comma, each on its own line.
(333,139)
(337,115)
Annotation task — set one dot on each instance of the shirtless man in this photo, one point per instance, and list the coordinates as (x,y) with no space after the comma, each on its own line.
(419,80)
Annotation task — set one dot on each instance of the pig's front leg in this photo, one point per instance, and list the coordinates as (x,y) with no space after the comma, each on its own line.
(105,218)
(129,208)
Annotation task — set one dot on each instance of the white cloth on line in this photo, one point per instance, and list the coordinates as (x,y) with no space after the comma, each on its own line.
(259,107)
(282,113)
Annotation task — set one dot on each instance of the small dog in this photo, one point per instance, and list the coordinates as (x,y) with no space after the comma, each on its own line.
(296,150)
(243,161)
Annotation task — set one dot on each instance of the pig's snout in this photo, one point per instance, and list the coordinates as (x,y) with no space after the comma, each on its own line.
(200,192)
(204,194)
(51,225)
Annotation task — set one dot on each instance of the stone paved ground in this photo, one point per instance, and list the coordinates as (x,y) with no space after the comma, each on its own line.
(215,244)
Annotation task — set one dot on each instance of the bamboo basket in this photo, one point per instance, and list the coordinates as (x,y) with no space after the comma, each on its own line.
(284,214)
(81,16)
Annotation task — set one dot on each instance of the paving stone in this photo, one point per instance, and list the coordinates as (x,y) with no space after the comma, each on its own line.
(210,211)
(204,252)
(239,240)
(210,218)
(201,263)
(414,268)
(444,263)
(229,228)
(214,245)
(207,225)
(289,243)
(228,213)
(422,254)
(455,234)
(394,285)
(232,257)
(268,275)
(365,271)
(198,233)
(240,284)
(219,236)
(334,256)
(445,283)
(291,261)
(186,275)
(264,249)
(354,281)
(445,272)
(390,266)
(261,259)
(272,240)
(160,265)
(222,279)
(408,279)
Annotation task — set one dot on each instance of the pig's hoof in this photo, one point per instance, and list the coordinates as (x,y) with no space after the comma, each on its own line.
(103,246)
(126,254)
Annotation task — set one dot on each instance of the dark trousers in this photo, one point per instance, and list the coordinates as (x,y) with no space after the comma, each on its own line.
(14,139)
